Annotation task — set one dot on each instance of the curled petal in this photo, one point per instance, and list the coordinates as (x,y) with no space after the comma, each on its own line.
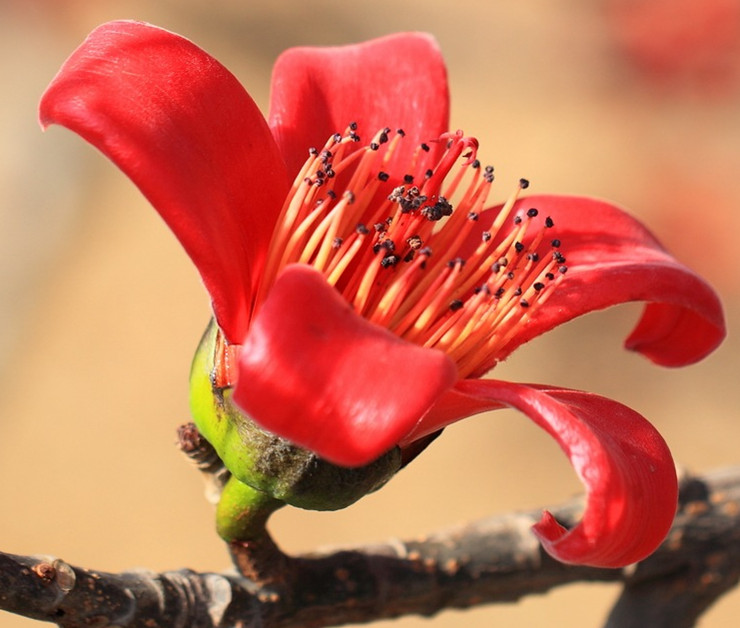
(612,258)
(398,81)
(312,371)
(187,134)
(628,471)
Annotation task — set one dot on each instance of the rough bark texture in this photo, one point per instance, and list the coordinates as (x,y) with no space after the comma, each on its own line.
(490,561)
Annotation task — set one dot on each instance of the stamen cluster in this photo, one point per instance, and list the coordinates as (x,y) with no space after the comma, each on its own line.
(413,249)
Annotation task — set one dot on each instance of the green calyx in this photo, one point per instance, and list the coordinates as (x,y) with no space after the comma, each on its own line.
(270,469)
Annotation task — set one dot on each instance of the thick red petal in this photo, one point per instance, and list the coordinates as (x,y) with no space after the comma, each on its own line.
(189,136)
(612,258)
(398,81)
(316,373)
(452,406)
(624,463)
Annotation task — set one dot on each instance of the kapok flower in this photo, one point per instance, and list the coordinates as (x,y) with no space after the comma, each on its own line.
(362,288)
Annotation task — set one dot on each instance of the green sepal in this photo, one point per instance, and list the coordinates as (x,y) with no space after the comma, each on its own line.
(266,462)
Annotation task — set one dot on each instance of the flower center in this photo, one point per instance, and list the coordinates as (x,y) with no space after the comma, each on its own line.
(414,251)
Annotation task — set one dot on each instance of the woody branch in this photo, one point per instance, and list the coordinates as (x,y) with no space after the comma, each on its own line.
(490,561)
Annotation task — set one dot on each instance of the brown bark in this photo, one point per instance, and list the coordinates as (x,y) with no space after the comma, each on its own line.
(490,561)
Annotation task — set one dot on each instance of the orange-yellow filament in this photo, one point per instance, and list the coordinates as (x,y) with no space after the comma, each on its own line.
(417,251)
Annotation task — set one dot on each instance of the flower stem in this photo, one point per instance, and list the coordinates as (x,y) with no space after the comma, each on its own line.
(242,512)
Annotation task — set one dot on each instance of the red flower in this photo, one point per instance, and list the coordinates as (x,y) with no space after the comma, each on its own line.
(362,306)
(681,43)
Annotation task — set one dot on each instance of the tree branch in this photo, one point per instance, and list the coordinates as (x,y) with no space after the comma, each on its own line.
(490,561)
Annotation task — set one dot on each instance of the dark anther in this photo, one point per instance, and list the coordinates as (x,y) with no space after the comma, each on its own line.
(326,156)
(519,247)
(383,137)
(524,303)
(486,236)
(533,257)
(523,183)
(337,137)
(362,229)
(517,220)
(475,164)
(374,146)
(549,222)
(562,270)
(409,200)
(330,173)
(380,227)
(510,275)
(336,243)
(408,178)
(313,151)
(414,242)
(538,285)
(473,216)
(409,256)
(389,245)
(397,193)
(503,261)
(383,176)
(437,211)
(401,132)
(488,174)
(550,276)
(499,293)
(389,260)
(456,305)
(555,243)
(427,251)
(425,147)
(518,291)
(458,261)
(353,126)
(428,174)
(354,137)
(558,257)
(331,194)
(532,212)
(495,267)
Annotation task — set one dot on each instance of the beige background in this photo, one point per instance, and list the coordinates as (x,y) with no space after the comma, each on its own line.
(100,311)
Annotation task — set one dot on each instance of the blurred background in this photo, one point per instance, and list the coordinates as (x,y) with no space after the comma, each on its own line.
(100,311)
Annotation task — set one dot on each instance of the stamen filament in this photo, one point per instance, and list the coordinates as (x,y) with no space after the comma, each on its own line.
(371,228)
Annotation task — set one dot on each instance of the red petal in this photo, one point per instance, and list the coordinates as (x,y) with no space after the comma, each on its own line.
(398,81)
(612,258)
(621,459)
(316,373)
(189,136)
(452,406)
